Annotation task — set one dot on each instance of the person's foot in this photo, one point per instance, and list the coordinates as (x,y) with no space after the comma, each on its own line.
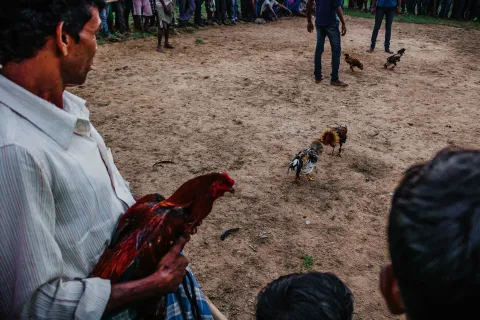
(233,22)
(338,83)
(196,26)
(370,50)
(317,81)
(388,51)
(169,46)
(159,49)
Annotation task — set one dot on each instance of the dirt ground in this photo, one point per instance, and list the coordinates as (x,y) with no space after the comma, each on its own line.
(245,102)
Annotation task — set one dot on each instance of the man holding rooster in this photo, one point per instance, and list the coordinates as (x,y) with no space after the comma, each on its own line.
(61,193)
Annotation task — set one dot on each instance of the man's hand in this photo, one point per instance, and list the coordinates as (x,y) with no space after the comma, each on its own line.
(167,10)
(172,268)
(398,11)
(170,272)
(374,10)
(344,29)
(310,26)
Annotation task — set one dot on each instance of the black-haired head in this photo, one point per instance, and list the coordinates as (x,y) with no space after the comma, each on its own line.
(434,239)
(25,25)
(309,296)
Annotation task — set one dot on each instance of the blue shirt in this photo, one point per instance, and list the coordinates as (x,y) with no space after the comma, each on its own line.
(386,3)
(325,14)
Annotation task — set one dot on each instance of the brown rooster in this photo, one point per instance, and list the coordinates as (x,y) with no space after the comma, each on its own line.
(333,136)
(148,229)
(353,62)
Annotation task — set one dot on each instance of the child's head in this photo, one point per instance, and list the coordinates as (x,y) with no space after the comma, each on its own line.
(308,296)
(434,240)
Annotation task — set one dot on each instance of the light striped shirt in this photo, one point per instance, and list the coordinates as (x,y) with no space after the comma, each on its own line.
(60,198)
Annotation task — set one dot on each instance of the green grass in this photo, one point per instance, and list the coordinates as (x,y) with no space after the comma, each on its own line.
(308,262)
(408,18)
(199,41)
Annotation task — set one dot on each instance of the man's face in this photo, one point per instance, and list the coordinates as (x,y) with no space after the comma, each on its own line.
(78,62)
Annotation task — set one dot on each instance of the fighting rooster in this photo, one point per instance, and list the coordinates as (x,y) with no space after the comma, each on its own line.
(394,59)
(305,161)
(353,62)
(333,136)
(148,229)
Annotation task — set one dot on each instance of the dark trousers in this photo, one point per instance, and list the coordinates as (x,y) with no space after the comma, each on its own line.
(460,9)
(389,13)
(247,9)
(128,9)
(411,6)
(198,11)
(331,32)
(117,8)
(228,3)
(182,7)
(221,9)
(445,6)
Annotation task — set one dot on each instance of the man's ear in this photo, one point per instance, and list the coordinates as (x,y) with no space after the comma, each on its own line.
(61,39)
(390,290)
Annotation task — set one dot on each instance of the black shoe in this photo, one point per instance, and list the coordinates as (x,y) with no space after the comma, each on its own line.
(233,22)
(196,26)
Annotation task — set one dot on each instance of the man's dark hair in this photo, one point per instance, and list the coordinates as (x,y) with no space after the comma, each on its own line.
(308,296)
(434,237)
(25,24)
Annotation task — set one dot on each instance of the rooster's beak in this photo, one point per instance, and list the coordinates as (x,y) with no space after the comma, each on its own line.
(232,191)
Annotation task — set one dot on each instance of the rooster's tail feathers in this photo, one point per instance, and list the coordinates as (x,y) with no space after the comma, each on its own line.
(329,137)
(295,165)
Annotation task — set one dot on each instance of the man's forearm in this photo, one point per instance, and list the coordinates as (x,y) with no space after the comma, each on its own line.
(339,12)
(309,10)
(126,294)
(374,3)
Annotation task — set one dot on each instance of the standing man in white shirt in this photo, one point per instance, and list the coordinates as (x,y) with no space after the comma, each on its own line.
(60,191)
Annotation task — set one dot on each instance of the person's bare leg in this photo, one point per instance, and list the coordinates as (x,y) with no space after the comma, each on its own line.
(159,37)
(167,34)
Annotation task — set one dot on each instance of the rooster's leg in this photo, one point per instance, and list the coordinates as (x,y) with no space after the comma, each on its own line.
(333,151)
(340,151)
(351,68)
(309,177)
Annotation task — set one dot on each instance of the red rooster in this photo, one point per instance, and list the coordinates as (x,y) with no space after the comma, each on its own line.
(147,230)
(334,136)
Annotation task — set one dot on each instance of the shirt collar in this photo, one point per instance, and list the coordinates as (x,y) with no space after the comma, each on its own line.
(58,124)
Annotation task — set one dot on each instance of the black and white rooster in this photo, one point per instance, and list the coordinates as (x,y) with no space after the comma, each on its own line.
(305,161)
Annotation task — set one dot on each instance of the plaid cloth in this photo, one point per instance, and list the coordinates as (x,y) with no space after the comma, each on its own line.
(177,305)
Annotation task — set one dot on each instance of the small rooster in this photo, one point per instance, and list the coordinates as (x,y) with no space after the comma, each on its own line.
(394,59)
(148,229)
(333,136)
(305,161)
(353,62)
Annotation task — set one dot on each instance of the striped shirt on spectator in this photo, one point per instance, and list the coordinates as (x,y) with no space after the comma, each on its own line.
(60,198)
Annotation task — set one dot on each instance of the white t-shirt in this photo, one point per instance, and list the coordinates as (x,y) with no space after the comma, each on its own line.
(268,4)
